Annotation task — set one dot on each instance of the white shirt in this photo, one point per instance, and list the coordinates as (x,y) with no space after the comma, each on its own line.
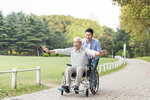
(78,58)
(88,45)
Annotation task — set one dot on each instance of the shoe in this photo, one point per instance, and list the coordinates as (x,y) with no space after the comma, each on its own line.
(67,90)
(76,89)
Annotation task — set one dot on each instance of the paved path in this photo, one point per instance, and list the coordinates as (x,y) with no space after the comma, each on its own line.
(130,83)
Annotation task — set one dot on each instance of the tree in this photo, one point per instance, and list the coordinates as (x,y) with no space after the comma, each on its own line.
(56,40)
(139,48)
(36,33)
(106,39)
(135,17)
(106,43)
(108,31)
(3,35)
(58,22)
(120,38)
(12,29)
(80,25)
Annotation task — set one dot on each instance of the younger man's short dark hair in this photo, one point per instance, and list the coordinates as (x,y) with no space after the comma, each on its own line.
(89,30)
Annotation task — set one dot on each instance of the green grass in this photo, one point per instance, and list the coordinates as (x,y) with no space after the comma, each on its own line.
(21,90)
(147,58)
(51,72)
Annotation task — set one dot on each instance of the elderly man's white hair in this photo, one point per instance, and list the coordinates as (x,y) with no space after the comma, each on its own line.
(77,38)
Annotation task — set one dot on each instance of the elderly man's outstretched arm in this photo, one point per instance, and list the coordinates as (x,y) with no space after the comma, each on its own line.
(47,50)
(65,51)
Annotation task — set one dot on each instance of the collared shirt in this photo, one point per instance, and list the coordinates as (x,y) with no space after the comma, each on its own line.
(88,45)
(94,45)
(78,58)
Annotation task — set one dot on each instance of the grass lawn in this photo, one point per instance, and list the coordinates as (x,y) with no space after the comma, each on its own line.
(51,72)
(147,58)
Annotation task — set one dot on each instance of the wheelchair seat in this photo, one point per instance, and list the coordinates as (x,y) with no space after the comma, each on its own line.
(84,74)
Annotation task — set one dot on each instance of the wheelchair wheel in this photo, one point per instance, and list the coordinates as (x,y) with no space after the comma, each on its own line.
(87,92)
(94,83)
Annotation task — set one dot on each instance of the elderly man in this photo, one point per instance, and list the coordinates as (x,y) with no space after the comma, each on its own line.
(78,60)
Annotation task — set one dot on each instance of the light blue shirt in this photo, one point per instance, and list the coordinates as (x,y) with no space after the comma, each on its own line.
(94,45)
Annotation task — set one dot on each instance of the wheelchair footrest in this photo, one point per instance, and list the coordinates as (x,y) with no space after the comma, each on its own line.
(79,90)
(61,89)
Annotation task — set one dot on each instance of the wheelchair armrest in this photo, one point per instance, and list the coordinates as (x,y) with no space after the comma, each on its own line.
(69,65)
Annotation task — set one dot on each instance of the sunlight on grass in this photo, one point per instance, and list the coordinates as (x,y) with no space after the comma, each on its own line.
(51,72)
(51,69)
(147,58)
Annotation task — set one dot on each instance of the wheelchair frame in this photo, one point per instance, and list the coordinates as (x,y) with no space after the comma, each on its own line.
(87,81)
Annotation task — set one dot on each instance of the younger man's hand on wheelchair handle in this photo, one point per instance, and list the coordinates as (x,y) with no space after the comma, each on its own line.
(103,52)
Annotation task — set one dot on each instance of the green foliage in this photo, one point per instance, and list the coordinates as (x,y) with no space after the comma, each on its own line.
(3,35)
(140,48)
(58,22)
(45,55)
(14,52)
(135,17)
(35,32)
(107,43)
(120,52)
(147,58)
(52,54)
(8,52)
(61,55)
(107,56)
(25,34)
(121,38)
(80,25)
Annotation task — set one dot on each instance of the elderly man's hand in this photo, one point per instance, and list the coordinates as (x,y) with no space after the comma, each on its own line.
(45,49)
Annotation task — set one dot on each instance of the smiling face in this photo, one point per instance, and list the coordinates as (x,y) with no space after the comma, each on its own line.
(77,43)
(88,36)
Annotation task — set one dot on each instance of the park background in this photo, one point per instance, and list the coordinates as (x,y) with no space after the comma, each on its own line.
(22,35)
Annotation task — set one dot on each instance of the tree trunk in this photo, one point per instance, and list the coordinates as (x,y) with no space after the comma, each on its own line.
(37,52)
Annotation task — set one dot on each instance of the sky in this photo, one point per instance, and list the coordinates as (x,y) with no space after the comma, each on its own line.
(100,10)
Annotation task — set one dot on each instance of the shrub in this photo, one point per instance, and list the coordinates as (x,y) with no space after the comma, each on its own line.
(61,55)
(120,52)
(107,56)
(52,54)
(8,52)
(45,55)
(24,53)
(14,52)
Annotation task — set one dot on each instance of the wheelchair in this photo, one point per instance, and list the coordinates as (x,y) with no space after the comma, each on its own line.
(87,80)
